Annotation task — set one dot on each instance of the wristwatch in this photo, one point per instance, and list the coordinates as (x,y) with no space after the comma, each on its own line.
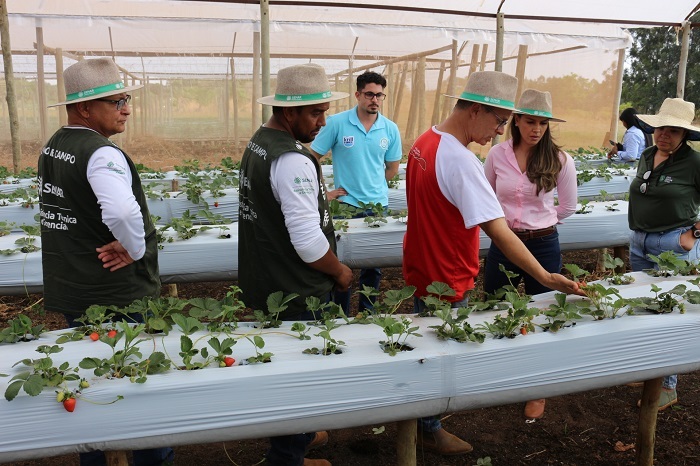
(695,231)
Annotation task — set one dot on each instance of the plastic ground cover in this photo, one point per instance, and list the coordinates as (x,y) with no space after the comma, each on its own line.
(361,386)
(206,257)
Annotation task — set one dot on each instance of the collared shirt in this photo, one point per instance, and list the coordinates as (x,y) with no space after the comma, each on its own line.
(524,209)
(359,155)
(632,145)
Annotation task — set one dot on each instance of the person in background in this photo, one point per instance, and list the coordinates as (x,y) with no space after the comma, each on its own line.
(634,141)
(286,237)
(523,172)
(449,199)
(98,241)
(366,149)
(665,198)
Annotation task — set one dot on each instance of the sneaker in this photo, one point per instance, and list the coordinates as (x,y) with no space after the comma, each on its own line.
(534,409)
(443,443)
(667,398)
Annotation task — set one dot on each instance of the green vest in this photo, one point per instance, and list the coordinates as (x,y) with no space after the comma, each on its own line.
(267,261)
(71,229)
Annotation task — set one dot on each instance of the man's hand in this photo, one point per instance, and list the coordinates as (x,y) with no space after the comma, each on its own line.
(561,283)
(336,193)
(343,279)
(114,256)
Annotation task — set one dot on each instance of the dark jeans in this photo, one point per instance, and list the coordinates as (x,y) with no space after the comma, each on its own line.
(545,249)
(289,450)
(369,277)
(147,457)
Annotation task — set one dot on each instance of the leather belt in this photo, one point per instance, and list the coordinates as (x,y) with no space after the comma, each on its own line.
(531,234)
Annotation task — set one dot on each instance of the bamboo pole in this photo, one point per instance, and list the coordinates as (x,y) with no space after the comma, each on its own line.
(683,62)
(500,32)
(388,108)
(409,134)
(265,54)
(434,119)
(484,51)
(618,93)
(418,94)
(403,58)
(40,83)
(406,433)
(474,62)
(144,99)
(225,108)
(256,81)
(520,70)
(10,87)
(337,88)
(646,431)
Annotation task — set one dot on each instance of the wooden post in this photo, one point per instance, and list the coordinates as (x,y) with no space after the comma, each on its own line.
(399,94)
(646,431)
(451,82)
(116,458)
(474,62)
(520,70)
(265,54)
(413,108)
(40,83)
(60,87)
(434,119)
(484,51)
(337,88)
(234,92)
(406,432)
(388,107)
(226,109)
(619,251)
(683,61)
(172,290)
(256,81)
(10,87)
(618,93)
(500,32)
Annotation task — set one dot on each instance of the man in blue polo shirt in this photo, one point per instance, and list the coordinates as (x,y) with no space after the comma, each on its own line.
(366,149)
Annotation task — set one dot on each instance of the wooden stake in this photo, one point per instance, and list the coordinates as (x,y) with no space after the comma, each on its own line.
(116,458)
(406,432)
(646,431)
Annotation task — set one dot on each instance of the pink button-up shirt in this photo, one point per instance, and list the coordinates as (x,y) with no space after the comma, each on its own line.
(524,209)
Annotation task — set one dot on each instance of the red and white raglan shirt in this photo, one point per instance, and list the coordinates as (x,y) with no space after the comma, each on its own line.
(448,197)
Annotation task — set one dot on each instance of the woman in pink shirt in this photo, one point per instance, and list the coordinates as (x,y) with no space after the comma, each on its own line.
(523,172)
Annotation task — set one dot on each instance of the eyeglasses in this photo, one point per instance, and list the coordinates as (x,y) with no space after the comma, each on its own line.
(501,121)
(643,186)
(371,95)
(119,103)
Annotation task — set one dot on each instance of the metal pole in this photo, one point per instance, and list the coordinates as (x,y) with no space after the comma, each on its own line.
(498,65)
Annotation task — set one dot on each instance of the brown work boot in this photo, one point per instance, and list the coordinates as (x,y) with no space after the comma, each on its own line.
(443,443)
(534,409)
(308,462)
(319,440)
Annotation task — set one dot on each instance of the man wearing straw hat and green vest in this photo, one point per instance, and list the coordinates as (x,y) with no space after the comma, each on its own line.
(286,240)
(98,242)
(449,198)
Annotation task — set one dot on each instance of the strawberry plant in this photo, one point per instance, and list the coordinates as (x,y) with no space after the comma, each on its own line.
(667,264)
(612,207)
(585,207)
(42,374)
(607,302)
(576,271)
(20,329)
(6,227)
(400,215)
(340,212)
(693,296)
(330,345)
(302,330)
(223,349)
(455,326)
(258,343)
(375,213)
(26,243)
(325,311)
(433,303)
(611,265)
(661,303)
(276,304)
(218,220)
(156,313)
(394,182)
(128,360)
(397,329)
(559,315)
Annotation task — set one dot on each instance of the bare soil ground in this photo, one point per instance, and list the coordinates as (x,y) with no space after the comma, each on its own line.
(577,430)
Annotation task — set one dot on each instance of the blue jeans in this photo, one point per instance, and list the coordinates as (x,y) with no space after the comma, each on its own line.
(431,424)
(642,244)
(289,450)
(545,249)
(369,277)
(147,457)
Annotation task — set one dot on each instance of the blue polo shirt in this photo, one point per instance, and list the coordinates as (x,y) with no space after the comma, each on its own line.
(359,156)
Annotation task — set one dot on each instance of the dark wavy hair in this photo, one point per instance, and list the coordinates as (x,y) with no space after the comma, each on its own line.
(543,165)
(370,77)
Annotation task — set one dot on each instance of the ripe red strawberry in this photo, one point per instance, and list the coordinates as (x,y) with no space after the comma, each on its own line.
(229,361)
(216,204)
(69,404)
(94,336)
(523,330)
(112,333)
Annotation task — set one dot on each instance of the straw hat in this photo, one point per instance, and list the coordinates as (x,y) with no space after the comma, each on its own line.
(536,103)
(93,79)
(674,112)
(301,85)
(490,88)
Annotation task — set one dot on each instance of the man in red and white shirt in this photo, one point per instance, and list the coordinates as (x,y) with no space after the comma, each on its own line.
(449,198)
